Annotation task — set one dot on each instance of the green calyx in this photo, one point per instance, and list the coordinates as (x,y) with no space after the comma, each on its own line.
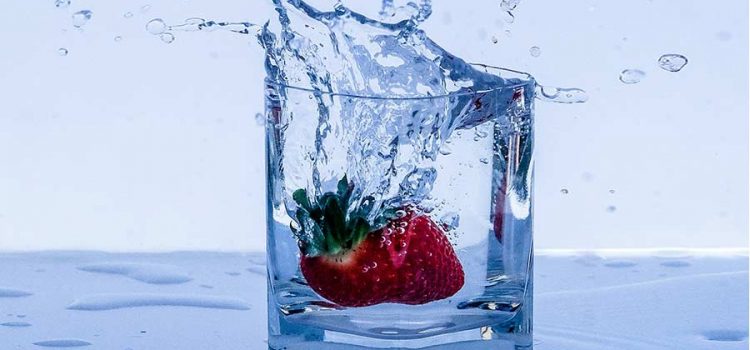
(327,226)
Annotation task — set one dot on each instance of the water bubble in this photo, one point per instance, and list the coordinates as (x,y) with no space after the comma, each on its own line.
(80,18)
(611,209)
(61,4)
(62,51)
(400,213)
(128,14)
(564,191)
(260,119)
(118,38)
(167,38)
(535,51)
(365,269)
(156,26)
(145,8)
(672,62)
(632,76)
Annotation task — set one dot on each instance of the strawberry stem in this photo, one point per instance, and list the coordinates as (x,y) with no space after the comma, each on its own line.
(327,226)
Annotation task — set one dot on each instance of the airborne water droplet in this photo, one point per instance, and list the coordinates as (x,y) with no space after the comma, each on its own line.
(259,119)
(80,18)
(145,8)
(128,14)
(672,62)
(632,76)
(62,3)
(535,51)
(564,191)
(611,209)
(561,95)
(118,38)
(62,51)
(156,26)
(484,160)
(167,38)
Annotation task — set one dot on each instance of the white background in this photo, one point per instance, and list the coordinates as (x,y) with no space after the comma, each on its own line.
(141,145)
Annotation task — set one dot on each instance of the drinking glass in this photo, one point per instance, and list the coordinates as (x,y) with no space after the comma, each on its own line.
(400,222)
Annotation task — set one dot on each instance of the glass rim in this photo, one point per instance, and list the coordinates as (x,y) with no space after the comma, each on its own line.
(526,79)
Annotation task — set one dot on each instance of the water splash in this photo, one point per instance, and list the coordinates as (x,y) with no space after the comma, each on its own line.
(535,51)
(561,95)
(16,324)
(80,18)
(61,4)
(672,62)
(157,26)
(632,76)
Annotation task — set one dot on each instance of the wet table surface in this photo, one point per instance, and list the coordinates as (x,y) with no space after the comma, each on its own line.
(90,300)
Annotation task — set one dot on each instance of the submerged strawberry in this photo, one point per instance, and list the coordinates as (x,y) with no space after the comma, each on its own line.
(403,257)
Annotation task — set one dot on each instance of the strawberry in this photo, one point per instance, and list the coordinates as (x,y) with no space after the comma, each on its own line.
(401,257)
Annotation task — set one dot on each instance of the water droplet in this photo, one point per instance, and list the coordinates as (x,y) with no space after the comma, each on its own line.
(365,269)
(632,76)
(508,33)
(61,4)
(535,51)
(80,18)
(260,119)
(167,37)
(494,39)
(612,191)
(672,62)
(62,51)
(128,14)
(145,8)
(400,231)
(561,95)
(611,209)
(484,160)
(374,264)
(118,38)
(564,191)
(509,5)
(156,26)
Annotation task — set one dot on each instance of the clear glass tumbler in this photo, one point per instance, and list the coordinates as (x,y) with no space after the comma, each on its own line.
(400,222)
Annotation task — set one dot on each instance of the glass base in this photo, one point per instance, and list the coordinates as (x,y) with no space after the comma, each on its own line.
(483,338)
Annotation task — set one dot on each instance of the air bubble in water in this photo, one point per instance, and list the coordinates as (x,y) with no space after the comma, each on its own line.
(259,119)
(672,62)
(156,26)
(80,18)
(62,51)
(535,51)
(167,38)
(632,76)
(61,4)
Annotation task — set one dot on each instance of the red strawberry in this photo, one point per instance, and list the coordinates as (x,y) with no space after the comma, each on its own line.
(408,260)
